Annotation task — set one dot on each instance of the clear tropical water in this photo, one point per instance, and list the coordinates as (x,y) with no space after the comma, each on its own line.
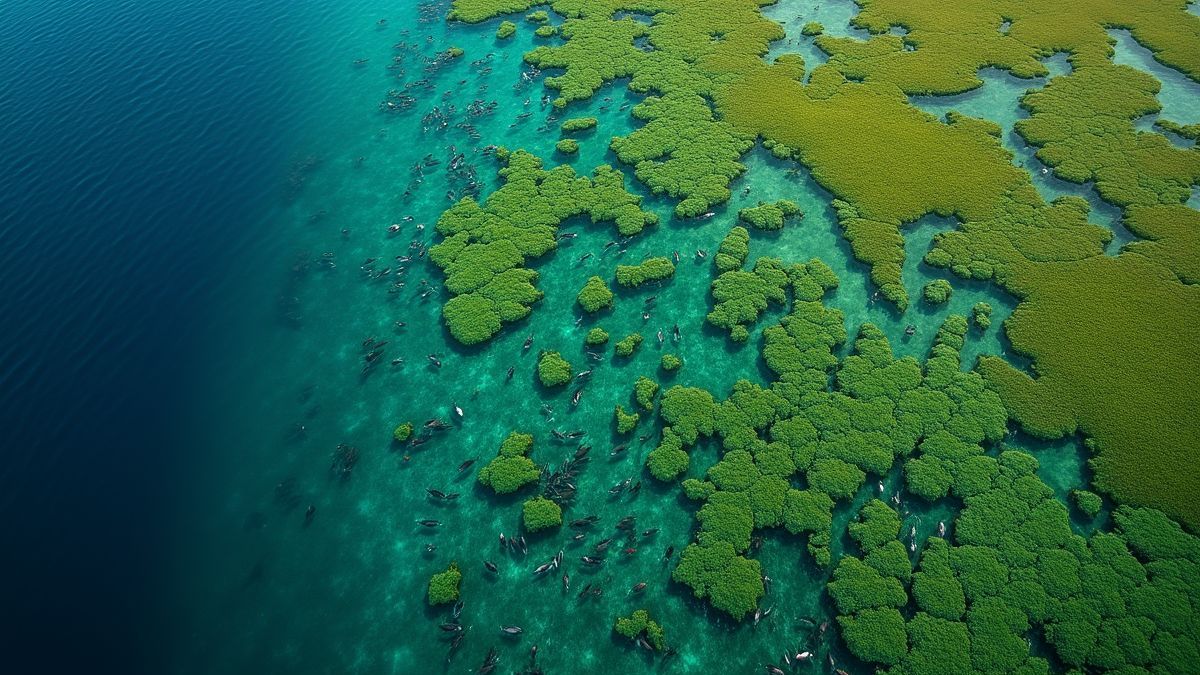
(191,196)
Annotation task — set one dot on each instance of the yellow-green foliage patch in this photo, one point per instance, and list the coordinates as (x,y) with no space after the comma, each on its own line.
(540,513)
(769,215)
(639,626)
(511,469)
(626,421)
(627,344)
(651,269)
(553,370)
(595,296)
(1111,338)
(402,432)
(596,336)
(443,586)
(578,124)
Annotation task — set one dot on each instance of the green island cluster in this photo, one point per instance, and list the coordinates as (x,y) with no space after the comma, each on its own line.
(511,469)
(443,586)
(1109,336)
(553,370)
(640,625)
(567,146)
(539,514)
(505,30)
(596,336)
(741,296)
(484,248)
(1102,331)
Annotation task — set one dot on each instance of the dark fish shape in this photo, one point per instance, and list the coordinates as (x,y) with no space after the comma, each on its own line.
(430,522)
(491,566)
(451,627)
(466,464)
(638,587)
(650,532)
(511,630)
(458,608)
(436,494)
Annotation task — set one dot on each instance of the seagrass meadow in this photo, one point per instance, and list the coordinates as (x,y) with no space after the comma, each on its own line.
(724,336)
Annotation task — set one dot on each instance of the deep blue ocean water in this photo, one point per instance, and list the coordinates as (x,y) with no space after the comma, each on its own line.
(170,174)
(135,173)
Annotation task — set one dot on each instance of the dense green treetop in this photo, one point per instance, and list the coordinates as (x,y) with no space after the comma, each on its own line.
(553,370)
(540,513)
(511,469)
(443,586)
(595,295)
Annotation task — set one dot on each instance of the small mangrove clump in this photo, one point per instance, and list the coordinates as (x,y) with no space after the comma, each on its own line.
(595,296)
(981,314)
(651,269)
(546,31)
(506,30)
(769,216)
(553,370)
(627,345)
(670,362)
(1087,502)
(644,391)
(626,422)
(937,291)
(511,469)
(455,52)
(443,586)
(812,28)
(539,16)
(639,627)
(567,146)
(540,514)
(578,124)
(402,432)
(596,336)
(733,251)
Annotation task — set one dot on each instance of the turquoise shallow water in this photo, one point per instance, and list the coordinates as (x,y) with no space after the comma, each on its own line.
(264,593)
